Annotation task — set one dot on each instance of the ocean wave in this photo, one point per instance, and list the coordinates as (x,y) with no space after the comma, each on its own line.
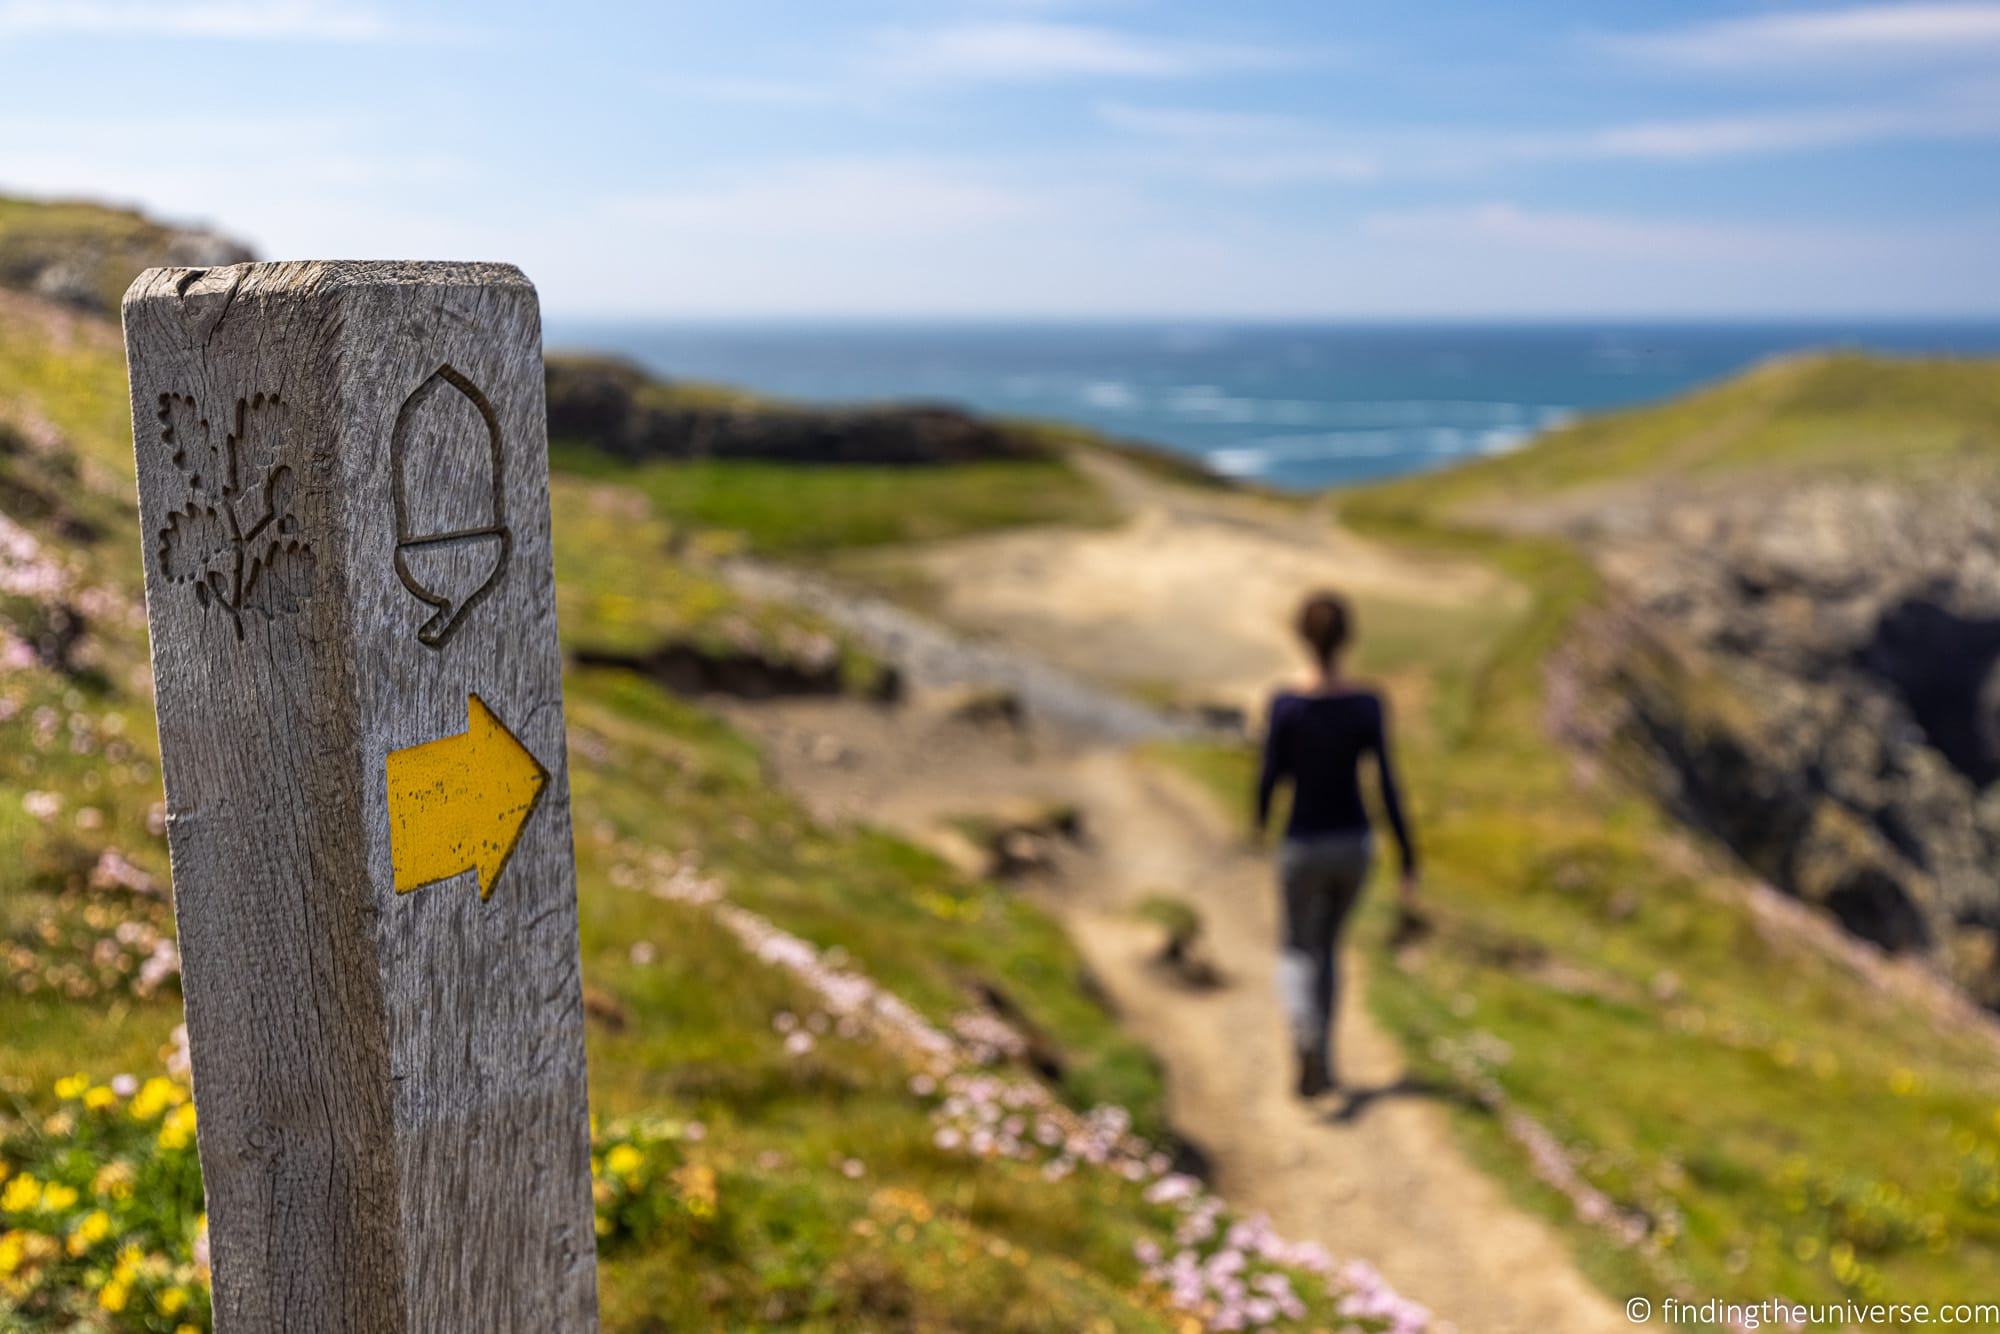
(1256,456)
(1210,403)
(1111,395)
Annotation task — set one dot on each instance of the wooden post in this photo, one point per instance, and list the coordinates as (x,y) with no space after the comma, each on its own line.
(343,481)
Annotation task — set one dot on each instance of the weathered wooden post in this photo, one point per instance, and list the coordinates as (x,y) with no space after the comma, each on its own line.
(343,481)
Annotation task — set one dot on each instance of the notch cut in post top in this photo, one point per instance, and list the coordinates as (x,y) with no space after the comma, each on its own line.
(343,482)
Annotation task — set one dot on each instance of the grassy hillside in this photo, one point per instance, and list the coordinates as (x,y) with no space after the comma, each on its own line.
(85,254)
(1708,1101)
(1827,413)
(795,480)
(782,509)
(810,1113)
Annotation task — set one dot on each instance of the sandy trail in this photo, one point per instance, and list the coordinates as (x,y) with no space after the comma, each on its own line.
(1376,1174)
(1193,594)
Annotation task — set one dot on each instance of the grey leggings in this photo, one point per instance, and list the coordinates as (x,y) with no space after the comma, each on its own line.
(1322,879)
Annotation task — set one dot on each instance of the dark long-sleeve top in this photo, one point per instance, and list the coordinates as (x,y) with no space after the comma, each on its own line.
(1318,743)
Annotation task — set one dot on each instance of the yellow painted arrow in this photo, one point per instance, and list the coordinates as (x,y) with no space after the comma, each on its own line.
(459,803)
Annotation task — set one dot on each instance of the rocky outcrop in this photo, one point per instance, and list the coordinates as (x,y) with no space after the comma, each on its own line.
(618,408)
(1812,674)
(691,666)
(85,255)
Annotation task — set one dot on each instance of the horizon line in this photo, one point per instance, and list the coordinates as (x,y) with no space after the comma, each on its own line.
(1797,319)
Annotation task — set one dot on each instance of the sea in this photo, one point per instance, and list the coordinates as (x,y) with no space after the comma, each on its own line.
(1299,406)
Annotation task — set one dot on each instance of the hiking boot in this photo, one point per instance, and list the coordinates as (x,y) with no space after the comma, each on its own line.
(1315,1077)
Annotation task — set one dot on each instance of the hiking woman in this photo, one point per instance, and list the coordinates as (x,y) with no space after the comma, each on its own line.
(1318,739)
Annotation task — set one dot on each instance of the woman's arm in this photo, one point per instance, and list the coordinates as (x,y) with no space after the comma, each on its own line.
(1392,797)
(1276,766)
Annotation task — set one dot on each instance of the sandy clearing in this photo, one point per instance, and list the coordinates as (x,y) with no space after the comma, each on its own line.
(1193,592)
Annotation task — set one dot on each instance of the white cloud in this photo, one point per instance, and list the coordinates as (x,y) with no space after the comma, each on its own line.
(1507,225)
(1940,111)
(1299,166)
(286,20)
(755,91)
(898,62)
(1864,34)
(1738,136)
(290,185)
(837,198)
(1028,50)
(1240,148)
(1259,148)
(1197,122)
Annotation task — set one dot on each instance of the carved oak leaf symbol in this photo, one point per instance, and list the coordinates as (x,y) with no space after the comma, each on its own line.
(190,443)
(195,548)
(254,448)
(280,579)
(278,493)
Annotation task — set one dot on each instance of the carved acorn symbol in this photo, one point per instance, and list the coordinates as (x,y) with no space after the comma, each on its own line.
(452,538)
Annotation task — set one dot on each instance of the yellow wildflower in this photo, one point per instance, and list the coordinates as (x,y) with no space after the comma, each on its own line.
(95,1227)
(57,1197)
(186,1329)
(22,1195)
(71,1087)
(172,1300)
(624,1161)
(12,1252)
(178,1130)
(98,1098)
(113,1296)
(155,1096)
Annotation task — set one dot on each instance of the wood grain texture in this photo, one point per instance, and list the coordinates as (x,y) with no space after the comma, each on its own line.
(393,1125)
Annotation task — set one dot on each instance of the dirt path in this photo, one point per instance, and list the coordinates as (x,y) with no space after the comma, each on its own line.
(1192,596)
(1375,1175)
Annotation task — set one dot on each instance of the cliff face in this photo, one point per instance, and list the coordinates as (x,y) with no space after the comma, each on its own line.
(1811,672)
(619,409)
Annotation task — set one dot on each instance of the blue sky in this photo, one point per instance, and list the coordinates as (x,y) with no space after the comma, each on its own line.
(1269,158)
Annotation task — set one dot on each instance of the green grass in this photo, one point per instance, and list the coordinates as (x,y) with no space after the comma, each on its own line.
(1827,413)
(112,245)
(1787,1127)
(1168,465)
(626,589)
(933,936)
(788,510)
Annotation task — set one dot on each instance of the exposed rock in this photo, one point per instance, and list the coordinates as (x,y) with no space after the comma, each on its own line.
(1812,673)
(1221,717)
(688,667)
(620,409)
(1182,956)
(986,707)
(1026,841)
